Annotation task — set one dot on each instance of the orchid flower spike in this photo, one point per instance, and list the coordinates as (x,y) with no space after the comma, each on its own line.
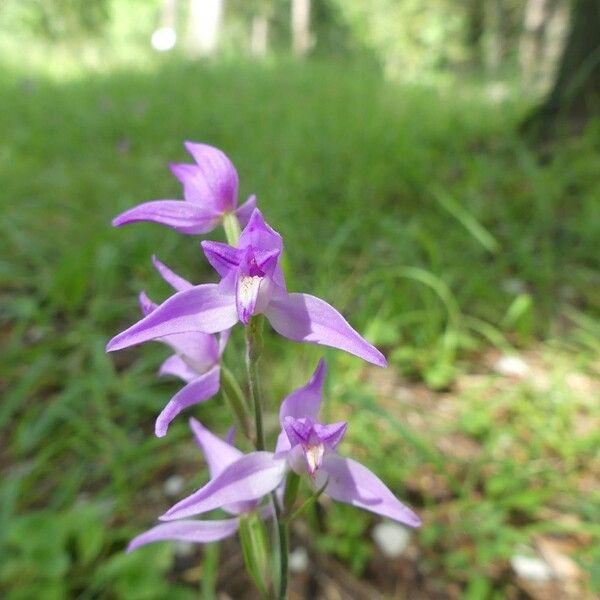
(305,446)
(210,189)
(219,454)
(196,359)
(251,283)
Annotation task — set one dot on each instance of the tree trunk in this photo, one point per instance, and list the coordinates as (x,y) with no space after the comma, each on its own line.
(496,46)
(475,30)
(204,25)
(168,14)
(575,95)
(259,35)
(542,40)
(301,38)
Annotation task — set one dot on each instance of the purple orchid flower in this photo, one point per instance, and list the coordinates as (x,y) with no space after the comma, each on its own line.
(196,359)
(210,189)
(252,283)
(305,446)
(219,454)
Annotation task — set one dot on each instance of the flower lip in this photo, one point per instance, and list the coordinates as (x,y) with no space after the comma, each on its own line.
(313,438)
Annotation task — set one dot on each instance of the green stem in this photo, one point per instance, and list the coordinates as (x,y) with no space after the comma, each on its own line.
(253,351)
(291,491)
(234,396)
(284,549)
(231,225)
(210,568)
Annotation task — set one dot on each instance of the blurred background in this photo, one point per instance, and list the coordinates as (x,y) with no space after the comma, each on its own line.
(433,167)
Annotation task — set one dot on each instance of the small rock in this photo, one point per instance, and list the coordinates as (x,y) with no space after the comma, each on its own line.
(173,486)
(563,566)
(298,560)
(392,539)
(531,568)
(183,549)
(511,366)
(514,286)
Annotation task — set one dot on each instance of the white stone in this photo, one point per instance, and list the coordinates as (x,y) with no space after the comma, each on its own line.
(391,538)
(511,366)
(183,549)
(298,560)
(173,486)
(531,568)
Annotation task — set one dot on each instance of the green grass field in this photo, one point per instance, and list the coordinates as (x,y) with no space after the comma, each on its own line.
(418,211)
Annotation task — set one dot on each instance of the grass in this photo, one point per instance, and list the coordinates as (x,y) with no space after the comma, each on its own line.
(416,210)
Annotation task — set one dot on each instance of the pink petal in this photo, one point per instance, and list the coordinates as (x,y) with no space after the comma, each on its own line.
(260,235)
(198,390)
(244,212)
(176,366)
(146,305)
(182,216)
(187,531)
(353,483)
(201,308)
(305,318)
(222,257)
(249,478)
(177,282)
(305,401)
(217,452)
(218,177)
(200,350)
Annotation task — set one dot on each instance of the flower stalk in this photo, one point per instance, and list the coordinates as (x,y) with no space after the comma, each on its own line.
(231,225)
(234,397)
(253,352)
(284,548)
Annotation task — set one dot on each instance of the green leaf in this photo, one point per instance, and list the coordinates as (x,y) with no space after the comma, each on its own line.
(254,540)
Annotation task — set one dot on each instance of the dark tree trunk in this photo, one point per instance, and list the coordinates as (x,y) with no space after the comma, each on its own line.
(475,29)
(575,95)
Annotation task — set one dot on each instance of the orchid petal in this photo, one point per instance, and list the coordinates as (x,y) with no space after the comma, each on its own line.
(177,282)
(223,339)
(218,453)
(249,478)
(259,235)
(184,172)
(176,366)
(331,434)
(198,390)
(184,217)
(222,257)
(297,430)
(146,305)
(230,436)
(283,443)
(353,483)
(244,212)
(305,401)
(200,350)
(306,318)
(201,308)
(216,180)
(187,531)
